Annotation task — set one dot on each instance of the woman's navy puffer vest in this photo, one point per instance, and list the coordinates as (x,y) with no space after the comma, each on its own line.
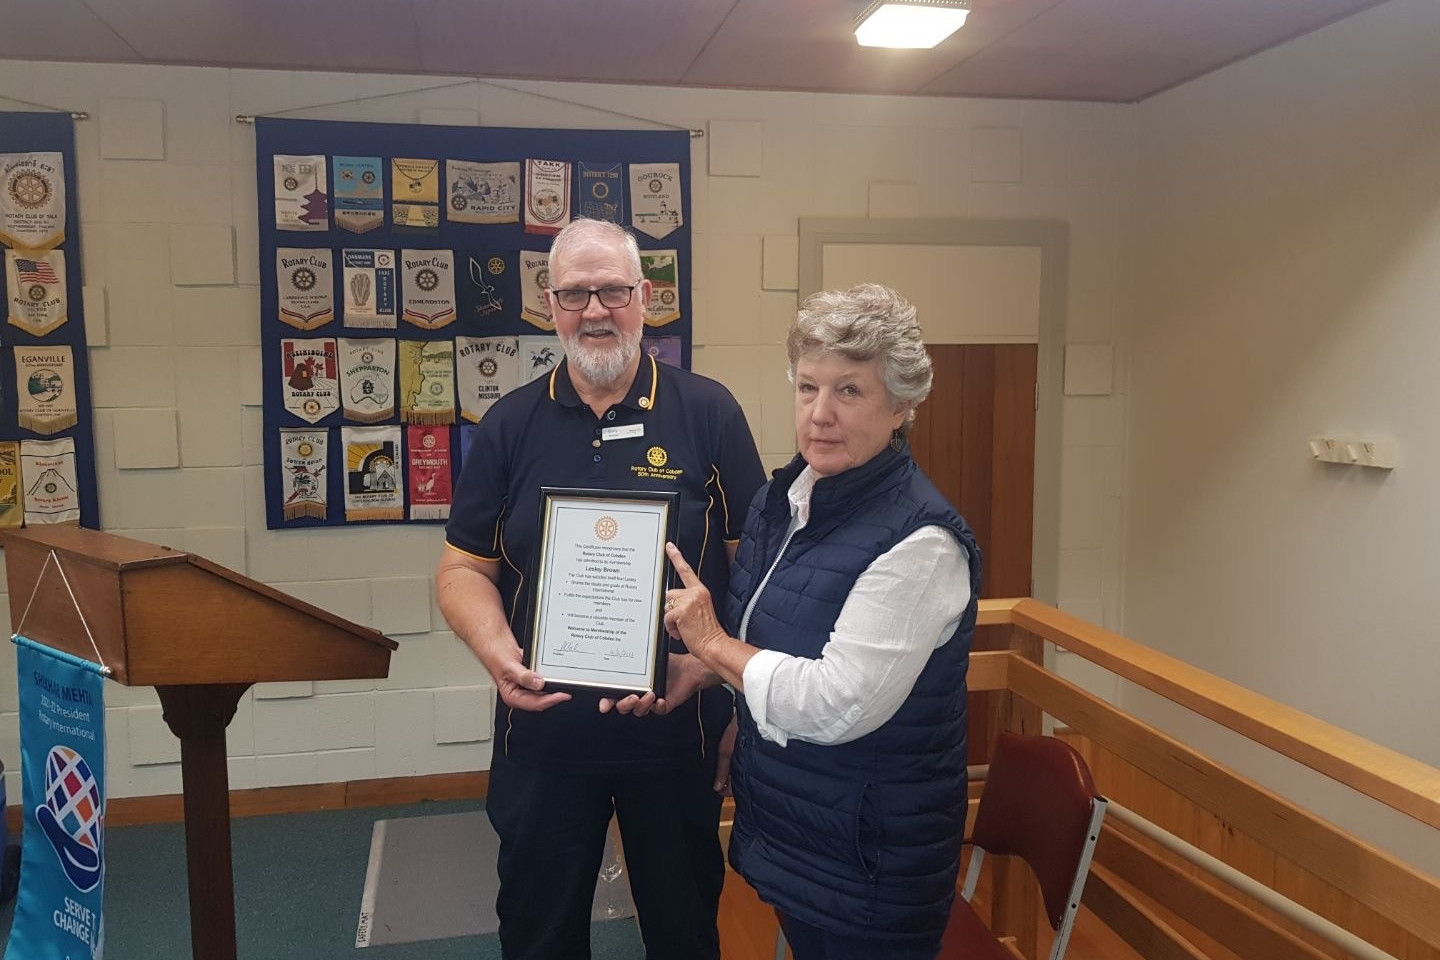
(861,838)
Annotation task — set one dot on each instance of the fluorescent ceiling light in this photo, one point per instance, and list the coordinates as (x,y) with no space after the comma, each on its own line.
(910,24)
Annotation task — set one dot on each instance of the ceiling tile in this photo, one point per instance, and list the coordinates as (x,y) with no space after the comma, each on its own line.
(638,41)
(1126,50)
(358,35)
(810,45)
(57,30)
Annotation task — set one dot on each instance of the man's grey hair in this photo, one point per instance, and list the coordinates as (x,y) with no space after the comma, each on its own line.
(583,232)
(865,323)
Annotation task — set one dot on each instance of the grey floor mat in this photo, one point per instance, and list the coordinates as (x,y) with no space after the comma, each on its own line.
(434,877)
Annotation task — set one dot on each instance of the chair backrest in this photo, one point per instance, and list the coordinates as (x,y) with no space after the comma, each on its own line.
(1040,804)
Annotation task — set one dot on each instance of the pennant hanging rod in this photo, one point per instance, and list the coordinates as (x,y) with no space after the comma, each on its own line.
(74,114)
(249,118)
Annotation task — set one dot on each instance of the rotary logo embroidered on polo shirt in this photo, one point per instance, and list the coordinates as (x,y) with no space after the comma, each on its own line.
(654,466)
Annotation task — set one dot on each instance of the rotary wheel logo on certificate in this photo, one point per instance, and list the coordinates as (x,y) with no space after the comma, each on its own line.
(606,528)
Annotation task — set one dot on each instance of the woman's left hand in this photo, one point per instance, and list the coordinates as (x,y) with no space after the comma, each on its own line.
(689,611)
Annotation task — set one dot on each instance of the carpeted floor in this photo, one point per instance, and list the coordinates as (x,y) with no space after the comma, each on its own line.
(298,885)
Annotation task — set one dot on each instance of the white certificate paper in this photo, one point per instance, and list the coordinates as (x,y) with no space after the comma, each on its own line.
(600,589)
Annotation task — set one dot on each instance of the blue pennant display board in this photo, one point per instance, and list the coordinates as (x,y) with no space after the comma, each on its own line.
(341,446)
(22,133)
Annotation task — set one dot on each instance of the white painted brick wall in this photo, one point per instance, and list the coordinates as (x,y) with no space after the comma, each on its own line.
(146,438)
(151,741)
(464,714)
(401,604)
(202,254)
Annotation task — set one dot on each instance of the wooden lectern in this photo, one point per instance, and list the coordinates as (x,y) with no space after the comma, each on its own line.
(200,634)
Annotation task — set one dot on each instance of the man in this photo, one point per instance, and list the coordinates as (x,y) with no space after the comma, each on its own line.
(606,418)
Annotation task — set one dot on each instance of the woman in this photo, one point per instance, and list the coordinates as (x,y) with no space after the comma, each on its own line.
(847,630)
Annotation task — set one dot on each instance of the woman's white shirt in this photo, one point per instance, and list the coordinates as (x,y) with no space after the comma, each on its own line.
(907,603)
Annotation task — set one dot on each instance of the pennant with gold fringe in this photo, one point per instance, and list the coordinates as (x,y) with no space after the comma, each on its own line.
(534,281)
(374,485)
(301,199)
(12,503)
(302,465)
(45,380)
(662,269)
(311,383)
(487,368)
(369,288)
(32,200)
(303,283)
(367,379)
(429,287)
(36,282)
(359,193)
(547,196)
(415,192)
(427,381)
(483,192)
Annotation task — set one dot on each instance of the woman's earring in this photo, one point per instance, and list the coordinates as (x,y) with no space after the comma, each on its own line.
(897,441)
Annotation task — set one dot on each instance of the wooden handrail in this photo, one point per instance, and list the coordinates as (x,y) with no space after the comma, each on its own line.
(1400,782)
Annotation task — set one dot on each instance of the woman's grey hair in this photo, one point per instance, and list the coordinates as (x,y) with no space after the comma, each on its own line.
(582,232)
(865,323)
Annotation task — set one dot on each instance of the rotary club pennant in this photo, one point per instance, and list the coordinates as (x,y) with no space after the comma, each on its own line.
(369,287)
(488,368)
(32,200)
(483,192)
(427,381)
(311,384)
(415,192)
(301,199)
(47,469)
(36,283)
(492,284)
(663,349)
(534,281)
(602,191)
(662,269)
(374,485)
(367,379)
(655,198)
(547,196)
(430,488)
(359,193)
(45,377)
(428,284)
(303,281)
(302,470)
(538,356)
(12,504)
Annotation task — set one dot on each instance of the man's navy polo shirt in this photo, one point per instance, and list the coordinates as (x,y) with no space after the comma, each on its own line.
(695,441)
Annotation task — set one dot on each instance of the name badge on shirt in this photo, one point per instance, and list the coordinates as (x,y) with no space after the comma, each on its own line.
(622,433)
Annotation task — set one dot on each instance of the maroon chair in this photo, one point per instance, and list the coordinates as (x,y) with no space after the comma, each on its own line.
(1039,804)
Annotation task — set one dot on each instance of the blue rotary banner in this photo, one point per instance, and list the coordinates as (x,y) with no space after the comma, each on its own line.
(62,747)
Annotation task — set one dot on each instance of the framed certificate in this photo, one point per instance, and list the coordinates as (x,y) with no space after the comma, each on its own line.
(600,589)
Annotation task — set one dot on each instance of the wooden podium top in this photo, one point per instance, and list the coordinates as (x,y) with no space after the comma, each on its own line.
(163,616)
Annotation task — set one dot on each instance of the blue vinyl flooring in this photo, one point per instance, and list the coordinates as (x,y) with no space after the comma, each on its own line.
(298,882)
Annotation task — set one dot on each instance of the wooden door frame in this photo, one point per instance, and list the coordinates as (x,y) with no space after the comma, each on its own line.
(1052,238)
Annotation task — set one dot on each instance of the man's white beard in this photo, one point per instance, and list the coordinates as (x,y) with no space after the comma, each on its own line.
(602,365)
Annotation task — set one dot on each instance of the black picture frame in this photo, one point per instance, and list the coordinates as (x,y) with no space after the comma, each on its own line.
(597,619)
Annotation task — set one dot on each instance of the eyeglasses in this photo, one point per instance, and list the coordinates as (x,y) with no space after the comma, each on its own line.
(611,298)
